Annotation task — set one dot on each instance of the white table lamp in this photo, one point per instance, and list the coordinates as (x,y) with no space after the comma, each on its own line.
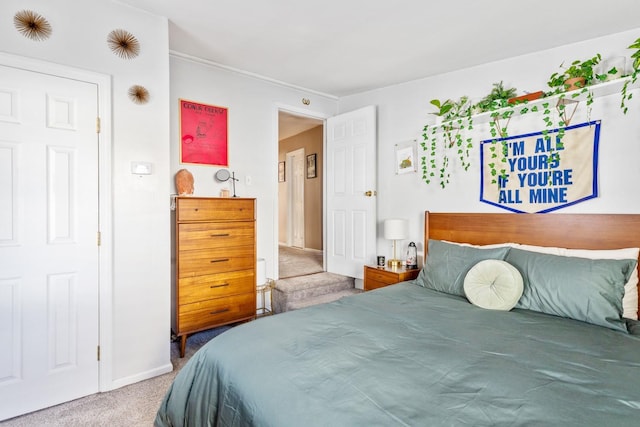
(395,229)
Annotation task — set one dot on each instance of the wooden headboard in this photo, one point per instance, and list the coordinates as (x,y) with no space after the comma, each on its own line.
(573,231)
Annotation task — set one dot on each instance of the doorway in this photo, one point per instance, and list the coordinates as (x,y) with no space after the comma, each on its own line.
(300,187)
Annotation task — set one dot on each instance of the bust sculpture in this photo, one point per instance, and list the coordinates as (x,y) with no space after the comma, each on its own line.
(184,182)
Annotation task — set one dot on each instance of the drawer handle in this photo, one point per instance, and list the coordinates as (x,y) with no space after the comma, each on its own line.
(220,235)
(220,260)
(220,311)
(219,286)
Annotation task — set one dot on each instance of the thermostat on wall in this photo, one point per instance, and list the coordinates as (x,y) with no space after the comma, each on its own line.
(141,168)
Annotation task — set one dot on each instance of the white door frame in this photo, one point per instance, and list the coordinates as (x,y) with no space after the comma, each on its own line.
(316,115)
(103,83)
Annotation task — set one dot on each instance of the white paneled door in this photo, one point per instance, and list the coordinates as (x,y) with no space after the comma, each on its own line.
(48,240)
(296,197)
(351,191)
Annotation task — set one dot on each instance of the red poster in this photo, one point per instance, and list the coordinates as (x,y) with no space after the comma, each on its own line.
(203,134)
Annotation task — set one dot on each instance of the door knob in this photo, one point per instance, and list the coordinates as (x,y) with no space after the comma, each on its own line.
(370,193)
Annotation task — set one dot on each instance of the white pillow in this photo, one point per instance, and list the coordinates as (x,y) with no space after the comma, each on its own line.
(493,284)
(495,245)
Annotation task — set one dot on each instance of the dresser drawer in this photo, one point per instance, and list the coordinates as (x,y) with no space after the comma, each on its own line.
(382,277)
(215,234)
(214,209)
(378,277)
(201,262)
(375,284)
(218,311)
(199,288)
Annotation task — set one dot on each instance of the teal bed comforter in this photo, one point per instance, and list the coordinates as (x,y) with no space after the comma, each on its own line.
(409,356)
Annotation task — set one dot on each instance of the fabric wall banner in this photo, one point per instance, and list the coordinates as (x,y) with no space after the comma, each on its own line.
(542,173)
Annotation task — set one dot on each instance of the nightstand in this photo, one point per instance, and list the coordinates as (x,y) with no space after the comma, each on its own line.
(377,277)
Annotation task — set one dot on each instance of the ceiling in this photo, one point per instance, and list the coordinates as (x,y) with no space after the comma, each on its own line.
(340,47)
(292,124)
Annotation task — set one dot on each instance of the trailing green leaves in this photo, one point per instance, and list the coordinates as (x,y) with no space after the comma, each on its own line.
(452,134)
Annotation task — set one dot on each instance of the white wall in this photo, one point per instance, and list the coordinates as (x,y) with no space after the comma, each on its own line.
(139,346)
(253,140)
(404,109)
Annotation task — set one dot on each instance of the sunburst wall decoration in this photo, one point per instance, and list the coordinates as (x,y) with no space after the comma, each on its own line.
(32,25)
(139,94)
(123,44)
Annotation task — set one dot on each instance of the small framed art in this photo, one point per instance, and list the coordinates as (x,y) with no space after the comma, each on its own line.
(405,157)
(311,166)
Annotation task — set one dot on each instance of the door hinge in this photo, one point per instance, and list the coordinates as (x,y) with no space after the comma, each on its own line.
(97,124)
(99,238)
(98,353)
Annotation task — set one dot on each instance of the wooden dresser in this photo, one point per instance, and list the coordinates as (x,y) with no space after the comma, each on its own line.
(215,241)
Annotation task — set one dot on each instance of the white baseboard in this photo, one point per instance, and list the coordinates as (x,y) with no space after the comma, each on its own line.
(320,251)
(142,376)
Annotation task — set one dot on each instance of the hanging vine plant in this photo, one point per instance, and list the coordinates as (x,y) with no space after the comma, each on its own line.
(556,108)
(441,139)
(496,102)
(633,77)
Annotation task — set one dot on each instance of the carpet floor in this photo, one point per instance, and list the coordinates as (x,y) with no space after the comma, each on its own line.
(298,262)
(134,405)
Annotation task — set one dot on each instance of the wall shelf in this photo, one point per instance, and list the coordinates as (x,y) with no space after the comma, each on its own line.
(598,90)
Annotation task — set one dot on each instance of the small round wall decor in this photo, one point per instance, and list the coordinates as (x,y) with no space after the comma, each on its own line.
(138,94)
(123,44)
(32,25)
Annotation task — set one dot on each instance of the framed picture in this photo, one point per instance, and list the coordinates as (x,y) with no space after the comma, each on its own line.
(203,134)
(281,172)
(406,157)
(311,166)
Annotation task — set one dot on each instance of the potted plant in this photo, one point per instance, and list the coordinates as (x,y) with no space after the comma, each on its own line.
(497,98)
(635,55)
(443,107)
(633,77)
(579,75)
(576,78)
(531,96)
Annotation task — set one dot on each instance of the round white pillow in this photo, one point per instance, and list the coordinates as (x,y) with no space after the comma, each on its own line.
(493,284)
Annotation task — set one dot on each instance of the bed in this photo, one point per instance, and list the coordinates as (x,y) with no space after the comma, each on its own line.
(420,354)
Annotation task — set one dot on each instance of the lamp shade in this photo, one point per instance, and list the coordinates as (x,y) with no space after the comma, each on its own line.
(396,229)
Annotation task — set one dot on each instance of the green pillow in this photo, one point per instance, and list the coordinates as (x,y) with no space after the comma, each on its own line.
(589,290)
(447,265)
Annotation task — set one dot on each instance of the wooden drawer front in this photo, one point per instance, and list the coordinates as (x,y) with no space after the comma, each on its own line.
(194,289)
(375,284)
(217,260)
(218,311)
(381,276)
(215,235)
(215,209)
